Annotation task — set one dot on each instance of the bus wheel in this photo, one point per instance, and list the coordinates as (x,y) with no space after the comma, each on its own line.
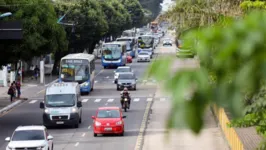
(104,67)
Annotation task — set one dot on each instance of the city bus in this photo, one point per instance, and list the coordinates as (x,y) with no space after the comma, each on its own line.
(79,67)
(154,26)
(146,44)
(131,45)
(129,33)
(114,54)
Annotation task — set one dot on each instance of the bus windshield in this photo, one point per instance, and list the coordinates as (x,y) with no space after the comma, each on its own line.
(74,70)
(145,42)
(112,51)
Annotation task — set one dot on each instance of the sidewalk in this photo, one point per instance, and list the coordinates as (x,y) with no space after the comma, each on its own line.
(211,137)
(29,89)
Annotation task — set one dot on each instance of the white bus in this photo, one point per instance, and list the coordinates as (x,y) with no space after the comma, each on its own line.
(79,68)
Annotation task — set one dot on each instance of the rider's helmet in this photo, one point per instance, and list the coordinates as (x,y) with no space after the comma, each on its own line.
(125,89)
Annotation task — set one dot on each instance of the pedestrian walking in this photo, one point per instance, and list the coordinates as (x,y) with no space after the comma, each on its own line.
(14,88)
(36,72)
(11,92)
(18,86)
(32,71)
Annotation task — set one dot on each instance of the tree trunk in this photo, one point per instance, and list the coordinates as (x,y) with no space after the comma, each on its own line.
(57,57)
(92,46)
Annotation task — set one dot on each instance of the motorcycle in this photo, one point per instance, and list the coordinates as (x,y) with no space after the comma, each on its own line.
(126,104)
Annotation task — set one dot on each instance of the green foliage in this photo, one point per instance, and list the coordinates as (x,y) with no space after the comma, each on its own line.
(41,33)
(233,58)
(248,5)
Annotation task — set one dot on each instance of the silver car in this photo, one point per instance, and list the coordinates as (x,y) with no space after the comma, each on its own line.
(127,80)
(119,70)
(143,56)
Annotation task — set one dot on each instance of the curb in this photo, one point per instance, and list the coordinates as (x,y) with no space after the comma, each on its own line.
(143,127)
(8,107)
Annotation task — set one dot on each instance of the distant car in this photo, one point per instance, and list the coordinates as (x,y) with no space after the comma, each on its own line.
(121,70)
(167,42)
(148,52)
(108,120)
(143,56)
(30,137)
(127,80)
(129,59)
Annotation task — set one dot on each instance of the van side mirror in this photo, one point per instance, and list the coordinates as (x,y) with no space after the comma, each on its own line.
(42,105)
(124,116)
(79,104)
(7,139)
(93,117)
(50,137)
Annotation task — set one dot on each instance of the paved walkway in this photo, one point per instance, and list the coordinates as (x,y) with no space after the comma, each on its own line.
(211,137)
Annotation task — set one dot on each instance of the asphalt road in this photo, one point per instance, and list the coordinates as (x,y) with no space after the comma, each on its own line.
(104,94)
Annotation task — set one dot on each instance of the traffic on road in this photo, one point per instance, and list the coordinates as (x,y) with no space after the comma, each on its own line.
(96,103)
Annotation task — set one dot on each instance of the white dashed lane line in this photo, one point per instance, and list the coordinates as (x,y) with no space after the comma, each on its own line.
(77,144)
(110,100)
(33,101)
(149,99)
(85,100)
(97,100)
(136,99)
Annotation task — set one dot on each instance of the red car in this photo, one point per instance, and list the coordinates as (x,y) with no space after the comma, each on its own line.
(108,120)
(129,59)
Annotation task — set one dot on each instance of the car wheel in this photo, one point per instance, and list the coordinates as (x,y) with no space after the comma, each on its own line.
(135,88)
(80,120)
(117,88)
(76,125)
(122,134)
(104,67)
(52,147)
(94,134)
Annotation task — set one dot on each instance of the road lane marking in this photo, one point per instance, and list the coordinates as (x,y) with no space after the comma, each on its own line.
(95,81)
(107,77)
(99,73)
(136,99)
(162,99)
(97,100)
(110,100)
(106,104)
(41,91)
(84,100)
(140,138)
(89,127)
(77,144)
(33,101)
(83,134)
(149,99)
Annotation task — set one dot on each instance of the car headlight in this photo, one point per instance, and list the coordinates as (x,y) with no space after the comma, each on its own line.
(119,123)
(119,83)
(9,147)
(41,147)
(85,84)
(97,123)
(47,111)
(74,110)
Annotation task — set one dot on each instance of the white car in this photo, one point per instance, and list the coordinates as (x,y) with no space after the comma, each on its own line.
(167,41)
(30,137)
(121,70)
(144,56)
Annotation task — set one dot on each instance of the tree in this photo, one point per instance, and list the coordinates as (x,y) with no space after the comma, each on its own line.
(153,6)
(116,16)
(41,34)
(232,62)
(135,10)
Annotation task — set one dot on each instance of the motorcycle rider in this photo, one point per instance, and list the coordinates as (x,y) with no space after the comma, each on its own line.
(125,94)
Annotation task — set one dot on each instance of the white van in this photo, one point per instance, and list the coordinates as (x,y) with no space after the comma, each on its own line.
(62,104)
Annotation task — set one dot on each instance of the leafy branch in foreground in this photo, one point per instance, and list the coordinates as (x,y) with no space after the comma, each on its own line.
(231,53)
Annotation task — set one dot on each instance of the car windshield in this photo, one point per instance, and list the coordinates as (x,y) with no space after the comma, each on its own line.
(108,114)
(126,76)
(123,70)
(60,100)
(143,54)
(28,135)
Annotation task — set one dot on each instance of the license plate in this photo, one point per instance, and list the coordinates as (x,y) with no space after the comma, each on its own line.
(108,129)
(59,122)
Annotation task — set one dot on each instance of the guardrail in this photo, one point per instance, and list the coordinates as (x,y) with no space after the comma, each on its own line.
(230,133)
